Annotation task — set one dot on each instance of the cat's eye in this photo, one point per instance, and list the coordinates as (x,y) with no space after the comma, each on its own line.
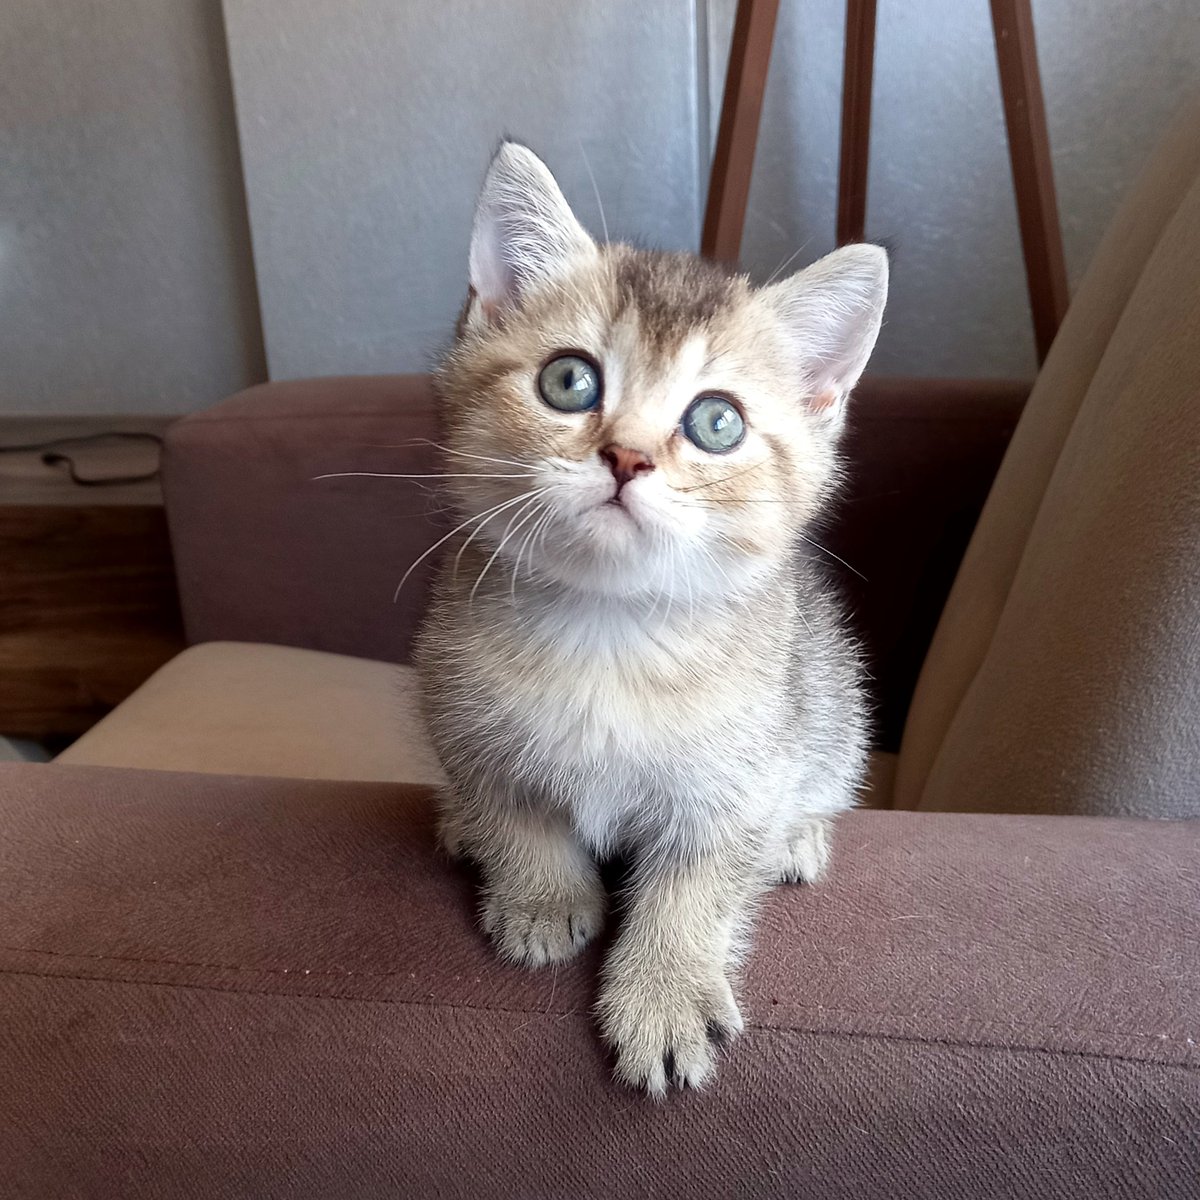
(713,424)
(570,383)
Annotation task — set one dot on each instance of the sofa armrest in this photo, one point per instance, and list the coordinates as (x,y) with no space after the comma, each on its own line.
(278,988)
(920,457)
(265,551)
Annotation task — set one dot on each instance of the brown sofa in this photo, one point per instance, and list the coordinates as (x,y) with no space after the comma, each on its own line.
(233,965)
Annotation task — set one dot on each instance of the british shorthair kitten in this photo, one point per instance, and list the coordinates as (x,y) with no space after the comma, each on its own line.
(628,649)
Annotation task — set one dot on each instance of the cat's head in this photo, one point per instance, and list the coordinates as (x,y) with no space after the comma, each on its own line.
(626,421)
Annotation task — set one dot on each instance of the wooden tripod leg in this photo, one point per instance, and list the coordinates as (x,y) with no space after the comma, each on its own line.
(1032,169)
(737,135)
(857,74)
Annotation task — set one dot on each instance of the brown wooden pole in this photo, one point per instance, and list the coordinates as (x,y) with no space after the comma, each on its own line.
(857,72)
(737,135)
(1032,169)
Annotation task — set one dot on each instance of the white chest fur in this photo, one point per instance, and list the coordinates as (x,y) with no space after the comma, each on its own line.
(619,715)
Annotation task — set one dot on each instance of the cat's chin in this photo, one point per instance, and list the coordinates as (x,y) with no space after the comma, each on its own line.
(614,550)
(612,524)
(606,554)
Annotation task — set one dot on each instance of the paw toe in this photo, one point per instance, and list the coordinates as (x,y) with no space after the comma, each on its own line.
(806,854)
(537,934)
(670,1041)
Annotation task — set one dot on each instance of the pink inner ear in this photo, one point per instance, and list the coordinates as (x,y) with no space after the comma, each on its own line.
(823,400)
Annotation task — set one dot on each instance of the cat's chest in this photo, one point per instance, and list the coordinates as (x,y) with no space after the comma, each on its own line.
(622,693)
(581,708)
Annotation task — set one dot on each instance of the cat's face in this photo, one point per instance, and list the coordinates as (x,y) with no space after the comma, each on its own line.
(634,423)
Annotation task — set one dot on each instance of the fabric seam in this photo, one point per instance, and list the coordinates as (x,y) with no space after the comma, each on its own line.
(300,972)
(912,1039)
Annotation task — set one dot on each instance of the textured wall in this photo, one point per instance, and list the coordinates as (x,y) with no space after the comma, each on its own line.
(366,129)
(125,278)
(940,189)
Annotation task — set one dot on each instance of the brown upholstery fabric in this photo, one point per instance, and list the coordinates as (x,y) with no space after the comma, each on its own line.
(265,553)
(1064,673)
(236,708)
(226,987)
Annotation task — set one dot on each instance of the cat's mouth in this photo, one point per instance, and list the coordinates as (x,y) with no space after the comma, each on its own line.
(616,504)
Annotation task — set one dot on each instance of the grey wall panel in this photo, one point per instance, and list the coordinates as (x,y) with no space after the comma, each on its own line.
(126,280)
(1114,72)
(126,283)
(366,129)
(940,188)
(941,192)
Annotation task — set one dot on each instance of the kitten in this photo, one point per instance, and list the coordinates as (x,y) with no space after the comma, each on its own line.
(628,650)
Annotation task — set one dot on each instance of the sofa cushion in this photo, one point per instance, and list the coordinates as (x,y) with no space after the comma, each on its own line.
(273,543)
(1063,676)
(240,708)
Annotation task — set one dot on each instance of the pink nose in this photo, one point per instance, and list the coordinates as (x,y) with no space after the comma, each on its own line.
(625,464)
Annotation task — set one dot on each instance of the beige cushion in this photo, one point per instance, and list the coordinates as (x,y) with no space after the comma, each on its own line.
(237,708)
(1063,676)
(240,708)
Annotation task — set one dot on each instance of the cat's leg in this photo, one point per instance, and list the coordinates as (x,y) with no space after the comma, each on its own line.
(804,852)
(666,1005)
(822,790)
(451,824)
(543,899)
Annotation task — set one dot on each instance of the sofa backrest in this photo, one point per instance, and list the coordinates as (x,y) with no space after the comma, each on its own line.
(1065,672)
(274,542)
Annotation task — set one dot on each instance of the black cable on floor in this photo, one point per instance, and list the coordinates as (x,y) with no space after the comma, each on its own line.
(53,455)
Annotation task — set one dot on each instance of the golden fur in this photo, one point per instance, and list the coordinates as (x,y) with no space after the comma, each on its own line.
(651,668)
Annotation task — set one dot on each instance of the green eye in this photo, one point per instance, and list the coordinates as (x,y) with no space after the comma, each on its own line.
(713,424)
(570,384)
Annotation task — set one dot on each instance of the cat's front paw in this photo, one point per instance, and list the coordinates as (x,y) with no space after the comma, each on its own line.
(805,854)
(667,1029)
(534,933)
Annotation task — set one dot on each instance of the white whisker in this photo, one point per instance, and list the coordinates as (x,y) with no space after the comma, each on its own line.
(442,540)
(712,558)
(491,514)
(834,556)
(595,189)
(542,512)
(668,573)
(508,462)
(393,475)
(509,530)
(687,573)
(662,573)
(787,262)
(540,537)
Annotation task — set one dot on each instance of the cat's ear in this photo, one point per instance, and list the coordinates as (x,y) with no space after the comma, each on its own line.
(831,313)
(524,233)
